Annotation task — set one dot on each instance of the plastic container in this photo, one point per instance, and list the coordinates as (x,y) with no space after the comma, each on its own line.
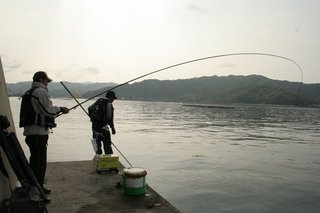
(108,163)
(134,180)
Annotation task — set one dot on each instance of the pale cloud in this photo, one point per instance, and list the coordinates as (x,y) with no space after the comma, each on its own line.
(28,72)
(227,65)
(75,71)
(10,65)
(195,8)
(91,70)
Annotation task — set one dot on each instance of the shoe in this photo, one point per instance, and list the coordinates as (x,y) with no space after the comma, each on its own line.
(47,200)
(46,191)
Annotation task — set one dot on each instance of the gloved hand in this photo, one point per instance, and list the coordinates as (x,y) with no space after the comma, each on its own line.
(113,131)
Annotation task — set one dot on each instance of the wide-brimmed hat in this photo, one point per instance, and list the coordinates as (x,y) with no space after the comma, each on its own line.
(41,74)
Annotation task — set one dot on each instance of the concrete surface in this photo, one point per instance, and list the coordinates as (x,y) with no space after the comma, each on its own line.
(76,187)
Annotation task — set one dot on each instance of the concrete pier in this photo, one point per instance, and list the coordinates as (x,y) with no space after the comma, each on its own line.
(76,187)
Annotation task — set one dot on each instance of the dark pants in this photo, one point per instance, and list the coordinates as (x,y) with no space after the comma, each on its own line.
(38,155)
(105,138)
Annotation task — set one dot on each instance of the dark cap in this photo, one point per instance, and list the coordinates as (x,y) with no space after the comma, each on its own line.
(111,94)
(41,74)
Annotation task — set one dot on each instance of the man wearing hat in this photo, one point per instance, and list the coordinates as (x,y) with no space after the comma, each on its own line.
(37,129)
(101,132)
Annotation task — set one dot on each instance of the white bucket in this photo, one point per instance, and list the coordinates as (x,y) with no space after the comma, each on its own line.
(94,145)
(134,180)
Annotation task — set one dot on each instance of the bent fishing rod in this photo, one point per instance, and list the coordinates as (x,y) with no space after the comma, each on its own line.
(192,61)
(88,115)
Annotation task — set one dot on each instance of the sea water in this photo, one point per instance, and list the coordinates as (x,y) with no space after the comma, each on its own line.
(249,158)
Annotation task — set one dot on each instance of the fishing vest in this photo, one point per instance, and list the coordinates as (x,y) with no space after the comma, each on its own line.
(29,117)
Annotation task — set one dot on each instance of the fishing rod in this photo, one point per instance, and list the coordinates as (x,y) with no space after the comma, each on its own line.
(88,115)
(192,61)
(74,98)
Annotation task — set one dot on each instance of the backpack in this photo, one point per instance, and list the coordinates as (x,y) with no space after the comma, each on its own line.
(27,113)
(29,117)
(97,112)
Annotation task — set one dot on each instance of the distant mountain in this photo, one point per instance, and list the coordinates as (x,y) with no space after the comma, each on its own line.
(56,89)
(252,89)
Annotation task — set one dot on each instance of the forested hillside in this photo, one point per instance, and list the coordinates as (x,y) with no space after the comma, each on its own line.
(253,89)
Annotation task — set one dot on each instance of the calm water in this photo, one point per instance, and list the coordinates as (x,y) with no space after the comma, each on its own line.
(246,159)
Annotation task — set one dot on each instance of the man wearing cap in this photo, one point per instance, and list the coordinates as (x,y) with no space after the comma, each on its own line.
(37,133)
(103,133)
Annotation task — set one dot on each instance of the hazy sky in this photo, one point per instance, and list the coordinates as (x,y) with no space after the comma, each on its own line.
(118,40)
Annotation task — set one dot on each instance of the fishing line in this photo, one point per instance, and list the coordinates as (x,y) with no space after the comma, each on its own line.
(176,65)
(192,61)
(88,115)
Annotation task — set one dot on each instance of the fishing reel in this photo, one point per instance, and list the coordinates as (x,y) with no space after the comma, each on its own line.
(50,123)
